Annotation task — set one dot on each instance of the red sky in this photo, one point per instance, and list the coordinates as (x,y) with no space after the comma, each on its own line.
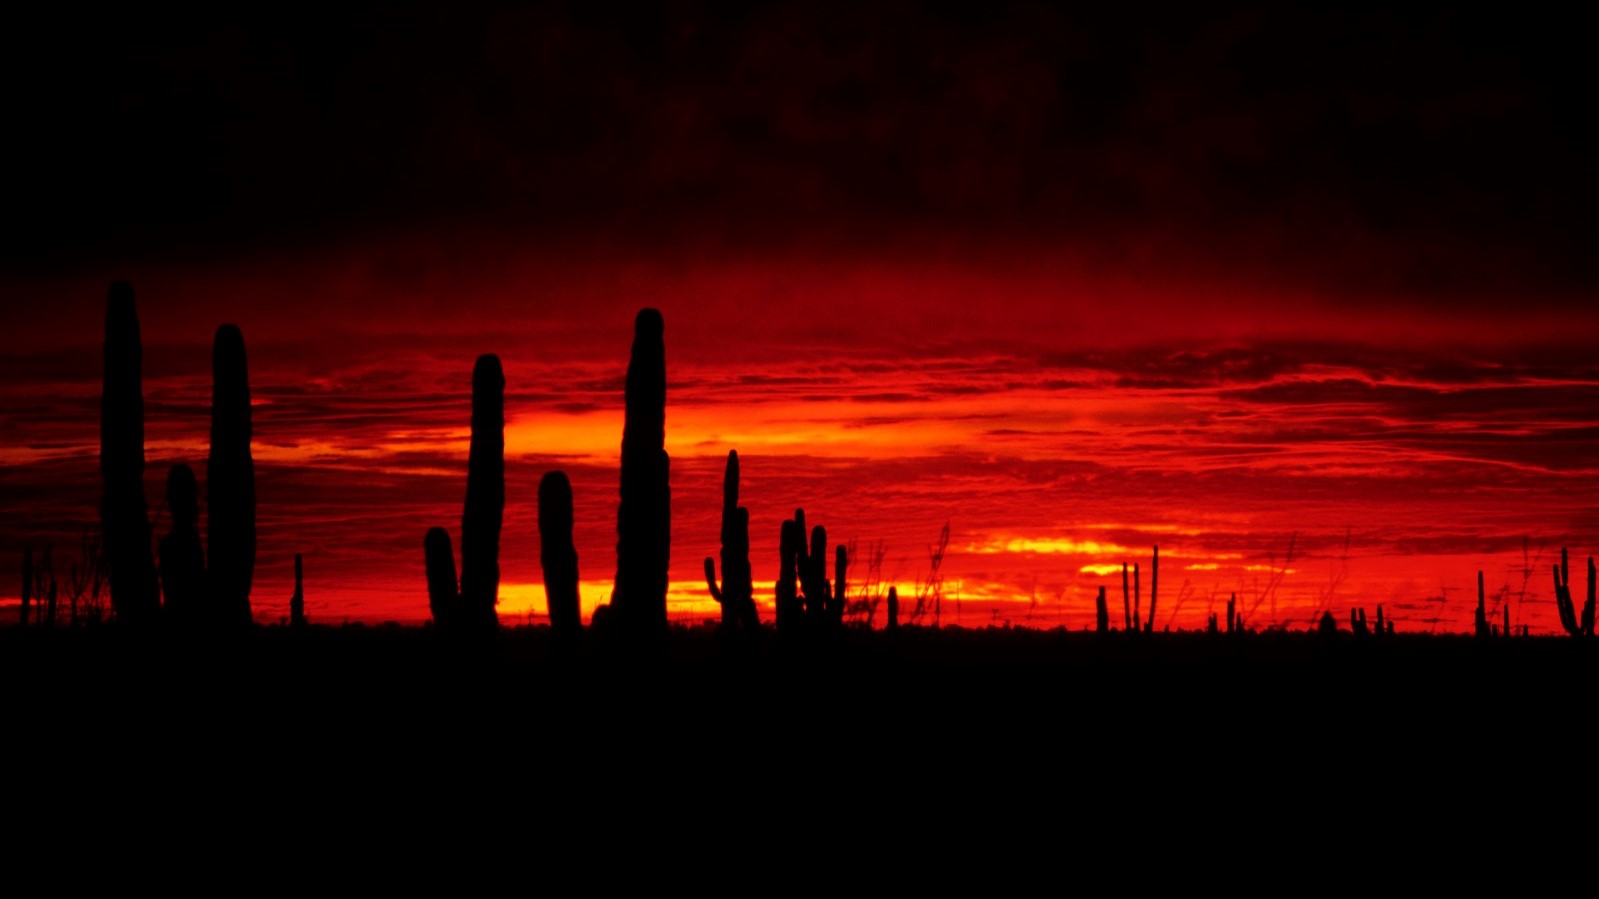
(1303,298)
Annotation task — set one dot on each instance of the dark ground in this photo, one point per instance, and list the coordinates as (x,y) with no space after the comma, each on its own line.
(928,744)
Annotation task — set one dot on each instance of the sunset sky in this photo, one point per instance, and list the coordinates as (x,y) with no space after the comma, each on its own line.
(1306,298)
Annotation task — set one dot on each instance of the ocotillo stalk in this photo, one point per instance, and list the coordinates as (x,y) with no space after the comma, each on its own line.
(1154,587)
(485,498)
(124,515)
(442,596)
(230,481)
(558,555)
(1127,609)
(893,609)
(297,601)
(737,593)
(1101,613)
(643,521)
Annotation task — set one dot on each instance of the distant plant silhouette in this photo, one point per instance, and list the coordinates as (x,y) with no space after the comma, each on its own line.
(124,515)
(791,545)
(736,595)
(893,609)
(1154,588)
(643,520)
(297,601)
(835,607)
(183,575)
(87,586)
(230,481)
(1357,623)
(1564,603)
(1328,625)
(484,511)
(443,595)
(557,554)
(930,591)
(1101,613)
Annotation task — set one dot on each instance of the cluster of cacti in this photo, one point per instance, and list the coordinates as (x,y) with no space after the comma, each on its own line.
(124,518)
(230,481)
(183,574)
(803,591)
(1357,623)
(1234,623)
(737,591)
(643,521)
(1574,626)
(557,554)
(1132,599)
(471,606)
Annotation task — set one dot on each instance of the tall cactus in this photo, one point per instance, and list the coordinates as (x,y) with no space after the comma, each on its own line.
(1101,612)
(1483,629)
(297,600)
(737,592)
(183,577)
(557,554)
(835,608)
(791,545)
(27,583)
(230,481)
(124,515)
(893,609)
(643,520)
(1154,589)
(1564,602)
(442,595)
(485,498)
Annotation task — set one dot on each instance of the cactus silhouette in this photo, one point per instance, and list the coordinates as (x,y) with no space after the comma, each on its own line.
(183,576)
(1234,625)
(230,481)
(1127,608)
(1357,623)
(297,601)
(442,596)
(1101,613)
(893,609)
(124,515)
(557,555)
(1154,587)
(1483,629)
(1564,602)
(791,545)
(737,592)
(644,518)
(835,608)
(813,569)
(485,499)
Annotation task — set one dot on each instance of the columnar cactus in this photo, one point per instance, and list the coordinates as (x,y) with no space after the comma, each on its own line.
(230,481)
(1154,587)
(1127,608)
(297,601)
(835,608)
(1483,629)
(442,595)
(1563,601)
(485,499)
(813,571)
(643,521)
(1101,612)
(1233,623)
(183,576)
(558,555)
(791,545)
(737,592)
(124,515)
(893,609)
